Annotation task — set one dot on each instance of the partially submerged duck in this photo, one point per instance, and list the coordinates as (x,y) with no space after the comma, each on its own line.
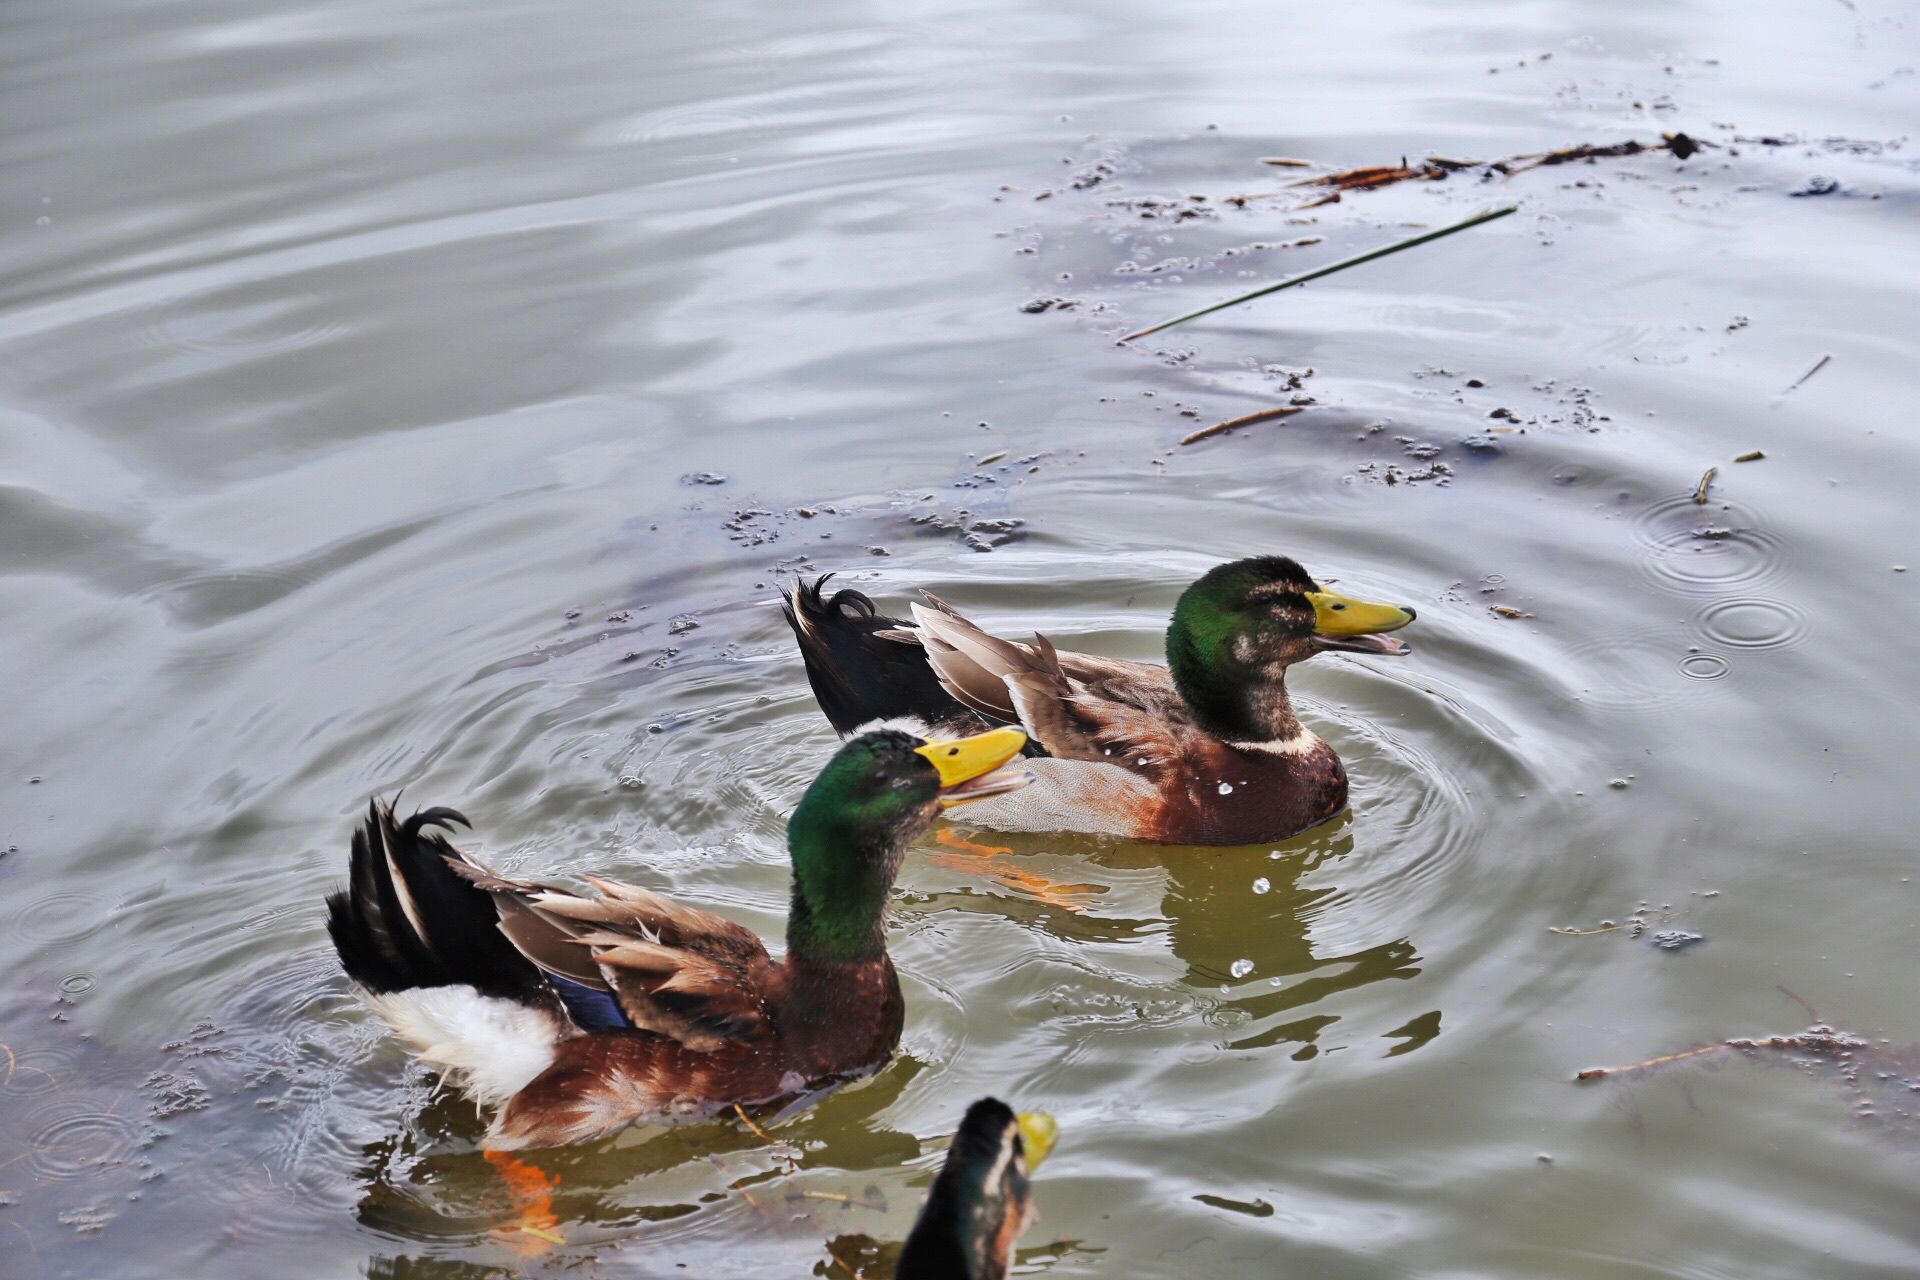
(574,1017)
(1204,750)
(981,1199)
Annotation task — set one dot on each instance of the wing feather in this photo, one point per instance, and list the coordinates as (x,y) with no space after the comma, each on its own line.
(673,969)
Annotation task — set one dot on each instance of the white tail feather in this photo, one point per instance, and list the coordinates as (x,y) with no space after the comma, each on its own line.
(490,1048)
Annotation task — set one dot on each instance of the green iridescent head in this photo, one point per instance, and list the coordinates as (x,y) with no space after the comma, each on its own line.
(879,793)
(1236,631)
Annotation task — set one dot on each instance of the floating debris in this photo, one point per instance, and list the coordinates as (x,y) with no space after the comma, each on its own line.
(1676,939)
(1755,456)
(1485,215)
(1221,428)
(1818,365)
(1700,490)
(1503,611)
(1634,925)
(1436,169)
(1882,1082)
(1817,186)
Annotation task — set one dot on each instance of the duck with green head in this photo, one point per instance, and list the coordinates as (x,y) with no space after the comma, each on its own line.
(1204,750)
(572,1017)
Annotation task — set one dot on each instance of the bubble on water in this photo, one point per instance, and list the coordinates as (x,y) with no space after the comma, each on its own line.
(1241,968)
(1262,885)
(1226,788)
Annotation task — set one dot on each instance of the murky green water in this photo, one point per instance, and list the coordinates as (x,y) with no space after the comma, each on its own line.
(352,356)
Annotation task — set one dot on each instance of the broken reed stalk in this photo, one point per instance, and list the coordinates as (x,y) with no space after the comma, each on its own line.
(1485,215)
(1221,428)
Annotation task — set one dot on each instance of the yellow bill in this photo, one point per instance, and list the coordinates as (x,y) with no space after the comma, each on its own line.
(1355,626)
(1038,1132)
(967,765)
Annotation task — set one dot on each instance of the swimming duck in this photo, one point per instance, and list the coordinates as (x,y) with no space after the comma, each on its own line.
(576,1016)
(981,1200)
(1204,750)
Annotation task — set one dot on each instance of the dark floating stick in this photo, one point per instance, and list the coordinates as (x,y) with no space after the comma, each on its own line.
(1818,365)
(1436,169)
(1755,456)
(1221,428)
(1486,215)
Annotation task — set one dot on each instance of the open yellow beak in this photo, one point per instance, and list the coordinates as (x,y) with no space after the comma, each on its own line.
(966,763)
(1038,1132)
(1355,626)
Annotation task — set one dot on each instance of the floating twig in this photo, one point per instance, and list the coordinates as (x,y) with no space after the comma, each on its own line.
(1601,1073)
(1755,456)
(755,1129)
(837,1198)
(1641,925)
(1436,169)
(1486,215)
(1700,490)
(1265,415)
(1818,365)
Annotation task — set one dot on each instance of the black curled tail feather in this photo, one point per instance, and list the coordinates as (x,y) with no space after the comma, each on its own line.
(859,675)
(406,919)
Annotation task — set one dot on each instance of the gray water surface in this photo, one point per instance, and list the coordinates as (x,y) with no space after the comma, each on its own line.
(360,369)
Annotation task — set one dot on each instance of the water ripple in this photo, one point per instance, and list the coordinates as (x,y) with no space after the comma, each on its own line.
(1752,623)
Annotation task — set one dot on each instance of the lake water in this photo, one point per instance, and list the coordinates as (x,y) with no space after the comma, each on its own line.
(426,395)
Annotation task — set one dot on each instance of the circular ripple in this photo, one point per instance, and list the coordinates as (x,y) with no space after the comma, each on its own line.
(36,1070)
(74,984)
(71,1140)
(1713,547)
(1629,675)
(1752,624)
(60,918)
(1704,666)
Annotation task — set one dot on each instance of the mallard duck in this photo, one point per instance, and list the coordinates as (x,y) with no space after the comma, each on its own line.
(980,1201)
(577,1016)
(1204,750)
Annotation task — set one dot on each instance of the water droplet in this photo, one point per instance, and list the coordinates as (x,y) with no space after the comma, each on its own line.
(1262,885)
(1241,968)
(1226,788)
